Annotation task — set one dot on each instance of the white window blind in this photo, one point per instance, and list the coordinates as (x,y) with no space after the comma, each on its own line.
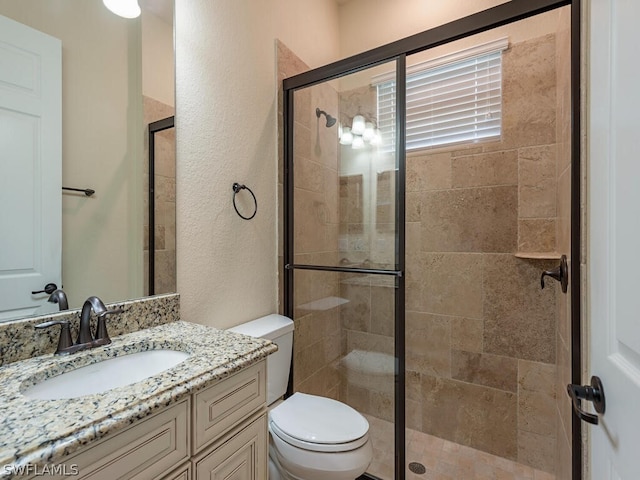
(458,101)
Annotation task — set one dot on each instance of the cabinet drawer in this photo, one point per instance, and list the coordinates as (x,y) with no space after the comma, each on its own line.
(145,450)
(218,408)
(241,456)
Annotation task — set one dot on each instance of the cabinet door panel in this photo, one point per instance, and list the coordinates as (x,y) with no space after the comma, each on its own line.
(241,456)
(225,404)
(145,450)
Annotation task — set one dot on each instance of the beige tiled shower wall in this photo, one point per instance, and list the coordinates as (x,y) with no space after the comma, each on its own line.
(318,336)
(288,65)
(368,367)
(165,199)
(480,333)
(563,172)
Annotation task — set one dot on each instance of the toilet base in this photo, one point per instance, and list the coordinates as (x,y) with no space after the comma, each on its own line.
(274,473)
(305,465)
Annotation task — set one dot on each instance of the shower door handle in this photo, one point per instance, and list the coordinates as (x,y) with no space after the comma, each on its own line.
(592,393)
(560,273)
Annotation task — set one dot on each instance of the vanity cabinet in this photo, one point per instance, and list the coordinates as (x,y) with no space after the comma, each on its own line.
(241,455)
(218,432)
(148,449)
(222,406)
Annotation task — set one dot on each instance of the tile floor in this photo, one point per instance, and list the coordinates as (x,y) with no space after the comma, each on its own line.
(442,459)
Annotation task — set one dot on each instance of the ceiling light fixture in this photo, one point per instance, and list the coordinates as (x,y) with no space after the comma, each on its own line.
(361,133)
(346,137)
(357,143)
(358,125)
(123,8)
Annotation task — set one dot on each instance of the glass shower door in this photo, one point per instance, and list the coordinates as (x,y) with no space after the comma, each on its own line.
(343,252)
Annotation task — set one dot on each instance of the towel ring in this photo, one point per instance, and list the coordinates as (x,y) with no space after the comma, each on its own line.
(236,188)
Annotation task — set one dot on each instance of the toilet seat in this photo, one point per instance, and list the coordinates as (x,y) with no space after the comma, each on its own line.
(318,447)
(318,424)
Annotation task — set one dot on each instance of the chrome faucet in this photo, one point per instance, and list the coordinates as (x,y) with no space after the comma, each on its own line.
(85,339)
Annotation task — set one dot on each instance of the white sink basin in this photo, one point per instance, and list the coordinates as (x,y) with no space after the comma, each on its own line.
(105,375)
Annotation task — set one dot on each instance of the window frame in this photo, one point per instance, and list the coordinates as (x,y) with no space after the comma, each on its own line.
(482,62)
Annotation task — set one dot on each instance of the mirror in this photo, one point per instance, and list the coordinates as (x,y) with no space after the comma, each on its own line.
(117,77)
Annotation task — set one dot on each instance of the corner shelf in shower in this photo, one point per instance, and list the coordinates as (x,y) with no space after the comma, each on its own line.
(538,255)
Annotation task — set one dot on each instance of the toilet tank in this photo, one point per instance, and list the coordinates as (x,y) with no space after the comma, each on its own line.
(279,330)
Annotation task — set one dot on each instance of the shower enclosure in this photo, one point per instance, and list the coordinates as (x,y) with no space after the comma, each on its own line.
(159,248)
(427,185)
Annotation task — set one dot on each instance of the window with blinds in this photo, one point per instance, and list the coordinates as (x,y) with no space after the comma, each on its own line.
(455,102)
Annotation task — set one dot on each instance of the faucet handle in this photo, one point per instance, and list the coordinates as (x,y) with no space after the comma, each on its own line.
(64,342)
(102,336)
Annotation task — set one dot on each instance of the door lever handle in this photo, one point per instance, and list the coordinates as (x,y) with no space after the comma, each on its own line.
(592,393)
(49,288)
(560,273)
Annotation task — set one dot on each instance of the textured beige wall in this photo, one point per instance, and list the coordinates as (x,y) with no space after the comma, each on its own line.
(102,144)
(310,28)
(226,132)
(366,24)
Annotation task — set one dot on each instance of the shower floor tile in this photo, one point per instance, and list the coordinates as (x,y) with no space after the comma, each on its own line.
(442,459)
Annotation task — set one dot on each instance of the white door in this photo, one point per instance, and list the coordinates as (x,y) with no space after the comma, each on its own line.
(30,166)
(614,233)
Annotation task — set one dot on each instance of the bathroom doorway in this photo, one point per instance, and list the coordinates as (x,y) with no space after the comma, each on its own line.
(428,184)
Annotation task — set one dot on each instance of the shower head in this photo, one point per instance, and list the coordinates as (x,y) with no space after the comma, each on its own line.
(331,121)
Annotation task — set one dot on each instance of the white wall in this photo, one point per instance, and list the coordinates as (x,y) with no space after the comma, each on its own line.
(226,107)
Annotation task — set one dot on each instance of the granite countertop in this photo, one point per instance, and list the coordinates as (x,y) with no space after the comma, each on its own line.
(38,432)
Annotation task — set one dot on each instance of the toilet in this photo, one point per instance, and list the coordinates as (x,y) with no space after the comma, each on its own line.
(310,437)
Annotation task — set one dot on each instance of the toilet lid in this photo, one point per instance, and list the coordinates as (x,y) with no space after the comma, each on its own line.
(318,420)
